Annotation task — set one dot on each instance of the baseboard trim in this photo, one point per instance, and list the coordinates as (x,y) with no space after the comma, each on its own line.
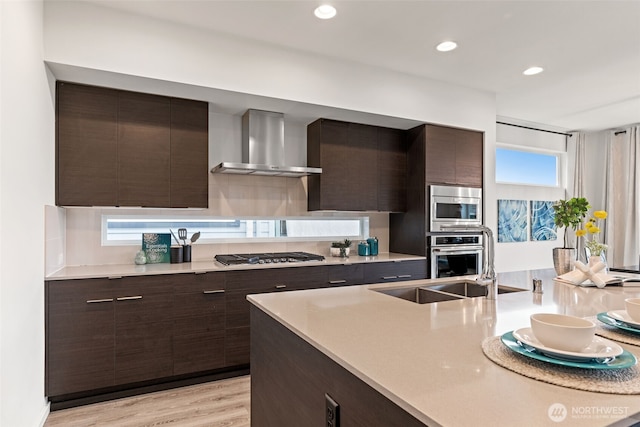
(56,405)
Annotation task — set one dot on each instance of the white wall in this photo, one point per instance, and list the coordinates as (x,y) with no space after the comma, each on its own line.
(26,185)
(85,35)
(516,256)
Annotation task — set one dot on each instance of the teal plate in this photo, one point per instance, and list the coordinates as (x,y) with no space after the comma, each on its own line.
(625,360)
(604,318)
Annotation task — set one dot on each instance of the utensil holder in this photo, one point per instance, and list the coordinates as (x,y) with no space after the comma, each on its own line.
(176,254)
(186,253)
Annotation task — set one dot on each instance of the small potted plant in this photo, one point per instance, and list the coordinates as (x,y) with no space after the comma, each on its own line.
(568,214)
(341,248)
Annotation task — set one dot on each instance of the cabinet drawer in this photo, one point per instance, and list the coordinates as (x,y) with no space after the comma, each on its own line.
(345,275)
(271,279)
(380,272)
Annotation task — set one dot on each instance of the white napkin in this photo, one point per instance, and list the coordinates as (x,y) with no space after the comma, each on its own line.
(583,272)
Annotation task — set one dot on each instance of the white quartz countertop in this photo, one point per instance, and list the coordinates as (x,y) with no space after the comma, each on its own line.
(428,358)
(121,270)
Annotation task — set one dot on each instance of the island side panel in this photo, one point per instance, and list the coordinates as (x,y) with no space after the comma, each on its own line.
(289,379)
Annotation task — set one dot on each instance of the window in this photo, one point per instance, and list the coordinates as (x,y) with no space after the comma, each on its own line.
(118,230)
(515,166)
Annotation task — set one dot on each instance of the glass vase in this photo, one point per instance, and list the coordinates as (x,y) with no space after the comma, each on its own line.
(594,259)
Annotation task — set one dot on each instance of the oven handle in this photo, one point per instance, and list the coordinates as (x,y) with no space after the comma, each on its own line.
(459,250)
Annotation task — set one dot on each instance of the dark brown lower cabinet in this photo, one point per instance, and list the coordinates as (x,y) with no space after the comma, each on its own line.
(244,282)
(80,338)
(143,328)
(289,380)
(199,308)
(237,346)
(112,334)
(107,332)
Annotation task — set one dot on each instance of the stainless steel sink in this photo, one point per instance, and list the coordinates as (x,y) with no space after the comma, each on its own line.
(470,289)
(420,295)
(443,292)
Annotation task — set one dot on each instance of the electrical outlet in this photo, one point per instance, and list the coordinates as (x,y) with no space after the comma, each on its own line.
(332,412)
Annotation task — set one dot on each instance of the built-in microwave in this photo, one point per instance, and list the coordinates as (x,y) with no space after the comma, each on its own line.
(454,206)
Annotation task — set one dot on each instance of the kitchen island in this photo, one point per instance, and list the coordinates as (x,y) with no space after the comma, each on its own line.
(391,362)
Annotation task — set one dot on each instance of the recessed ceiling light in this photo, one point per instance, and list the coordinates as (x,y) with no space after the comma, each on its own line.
(325,11)
(532,70)
(447,46)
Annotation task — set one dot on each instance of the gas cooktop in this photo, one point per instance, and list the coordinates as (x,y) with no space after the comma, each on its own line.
(267,258)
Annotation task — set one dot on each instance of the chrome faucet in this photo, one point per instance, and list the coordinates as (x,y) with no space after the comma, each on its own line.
(488,276)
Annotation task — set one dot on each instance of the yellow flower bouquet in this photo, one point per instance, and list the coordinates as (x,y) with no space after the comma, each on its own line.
(592,227)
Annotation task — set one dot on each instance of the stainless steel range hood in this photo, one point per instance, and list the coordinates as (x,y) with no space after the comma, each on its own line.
(263,148)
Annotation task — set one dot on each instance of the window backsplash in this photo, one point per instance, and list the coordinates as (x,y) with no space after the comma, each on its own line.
(229,196)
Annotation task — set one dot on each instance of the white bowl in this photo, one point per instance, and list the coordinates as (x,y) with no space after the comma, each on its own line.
(562,332)
(633,308)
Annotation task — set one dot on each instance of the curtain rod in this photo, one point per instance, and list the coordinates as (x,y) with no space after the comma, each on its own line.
(539,130)
(619,132)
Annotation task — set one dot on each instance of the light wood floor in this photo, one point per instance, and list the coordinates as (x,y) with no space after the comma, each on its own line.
(214,404)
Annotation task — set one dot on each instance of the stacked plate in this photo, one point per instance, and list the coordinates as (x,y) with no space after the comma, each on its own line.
(601,353)
(621,320)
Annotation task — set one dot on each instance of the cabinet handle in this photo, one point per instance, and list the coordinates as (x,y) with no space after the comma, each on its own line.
(129,298)
(336,282)
(95,301)
(389,277)
(199,272)
(281,286)
(114,277)
(404,276)
(216,291)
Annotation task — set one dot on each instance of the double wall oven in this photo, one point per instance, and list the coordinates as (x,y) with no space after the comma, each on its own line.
(454,253)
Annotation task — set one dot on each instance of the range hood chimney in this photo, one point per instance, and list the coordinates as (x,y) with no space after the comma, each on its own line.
(263,148)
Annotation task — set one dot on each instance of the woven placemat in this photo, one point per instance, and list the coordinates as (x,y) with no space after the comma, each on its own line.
(612,381)
(615,334)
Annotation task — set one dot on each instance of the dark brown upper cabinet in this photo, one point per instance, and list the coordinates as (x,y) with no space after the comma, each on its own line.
(86,145)
(189,153)
(392,167)
(363,167)
(436,155)
(454,156)
(120,148)
(144,150)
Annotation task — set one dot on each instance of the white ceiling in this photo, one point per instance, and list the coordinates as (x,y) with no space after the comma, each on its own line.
(590,49)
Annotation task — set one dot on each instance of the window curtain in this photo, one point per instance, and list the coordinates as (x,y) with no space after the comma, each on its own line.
(623,198)
(580,163)
(577,151)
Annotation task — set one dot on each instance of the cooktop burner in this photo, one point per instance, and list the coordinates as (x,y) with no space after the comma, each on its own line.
(267,258)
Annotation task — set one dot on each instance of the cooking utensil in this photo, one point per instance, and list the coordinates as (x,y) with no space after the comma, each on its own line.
(195,236)
(182,234)
(174,236)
